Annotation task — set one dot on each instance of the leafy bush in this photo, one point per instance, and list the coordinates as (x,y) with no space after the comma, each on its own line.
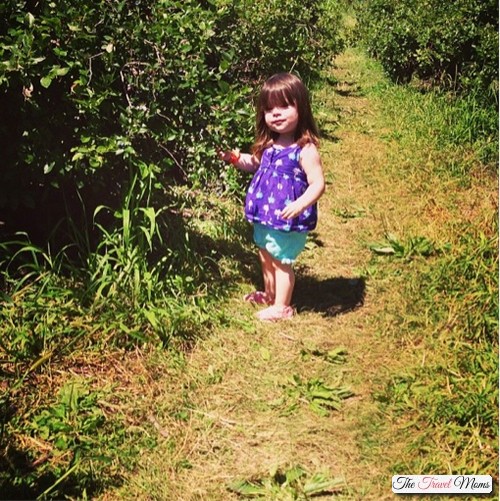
(91,90)
(138,97)
(297,35)
(452,44)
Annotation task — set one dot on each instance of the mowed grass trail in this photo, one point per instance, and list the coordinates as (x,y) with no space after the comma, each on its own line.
(287,408)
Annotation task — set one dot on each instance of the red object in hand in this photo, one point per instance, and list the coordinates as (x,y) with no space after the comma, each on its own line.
(234,157)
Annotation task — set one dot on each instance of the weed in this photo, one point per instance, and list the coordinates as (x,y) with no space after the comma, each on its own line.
(346,214)
(319,397)
(120,265)
(335,356)
(408,249)
(40,308)
(66,441)
(294,483)
(51,309)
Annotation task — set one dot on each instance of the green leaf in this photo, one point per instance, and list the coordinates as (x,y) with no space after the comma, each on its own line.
(126,226)
(61,443)
(152,318)
(336,356)
(294,474)
(324,393)
(224,86)
(265,353)
(320,484)
(30,18)
(385,251)
(47,168)
(46,81)
(150,213)
(60,72)
(246,488)
(318,409)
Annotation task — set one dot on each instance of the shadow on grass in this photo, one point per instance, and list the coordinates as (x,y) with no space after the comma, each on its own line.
(329,297)
(19,480)
(349,89)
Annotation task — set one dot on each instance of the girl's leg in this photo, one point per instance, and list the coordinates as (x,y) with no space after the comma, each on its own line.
(268,274)
(285,282)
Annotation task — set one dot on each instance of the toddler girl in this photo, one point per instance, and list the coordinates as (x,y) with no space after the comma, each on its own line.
(288,181)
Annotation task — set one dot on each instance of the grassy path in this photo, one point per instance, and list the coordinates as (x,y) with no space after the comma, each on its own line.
(243,411)
(239,405)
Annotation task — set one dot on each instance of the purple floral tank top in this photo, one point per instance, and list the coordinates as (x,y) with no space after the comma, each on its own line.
(279,180)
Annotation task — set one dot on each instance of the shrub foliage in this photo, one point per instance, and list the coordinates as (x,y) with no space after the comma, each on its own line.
(91,90)
(451,44)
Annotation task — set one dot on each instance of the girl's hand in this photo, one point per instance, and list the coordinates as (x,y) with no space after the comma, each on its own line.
(292,210)
(243,161)
(231,156)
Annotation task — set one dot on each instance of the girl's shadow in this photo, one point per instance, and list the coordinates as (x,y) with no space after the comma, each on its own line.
(329,297)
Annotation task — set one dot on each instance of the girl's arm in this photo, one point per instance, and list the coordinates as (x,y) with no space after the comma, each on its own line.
(311,163)
(243,161)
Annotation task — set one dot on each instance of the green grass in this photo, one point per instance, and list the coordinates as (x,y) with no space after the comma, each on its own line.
(444,403)
(459,134)
(146,284)
(453,398)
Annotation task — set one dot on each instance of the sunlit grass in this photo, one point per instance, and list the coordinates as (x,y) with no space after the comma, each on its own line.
(454,133)
(445,316)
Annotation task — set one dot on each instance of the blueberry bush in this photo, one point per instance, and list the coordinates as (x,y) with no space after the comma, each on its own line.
(452,45)
(91,90)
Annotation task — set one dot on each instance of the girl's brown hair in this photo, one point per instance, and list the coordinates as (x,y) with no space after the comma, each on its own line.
(284,89)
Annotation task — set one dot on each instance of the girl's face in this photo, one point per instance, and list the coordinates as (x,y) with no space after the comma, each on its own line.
(282,119)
